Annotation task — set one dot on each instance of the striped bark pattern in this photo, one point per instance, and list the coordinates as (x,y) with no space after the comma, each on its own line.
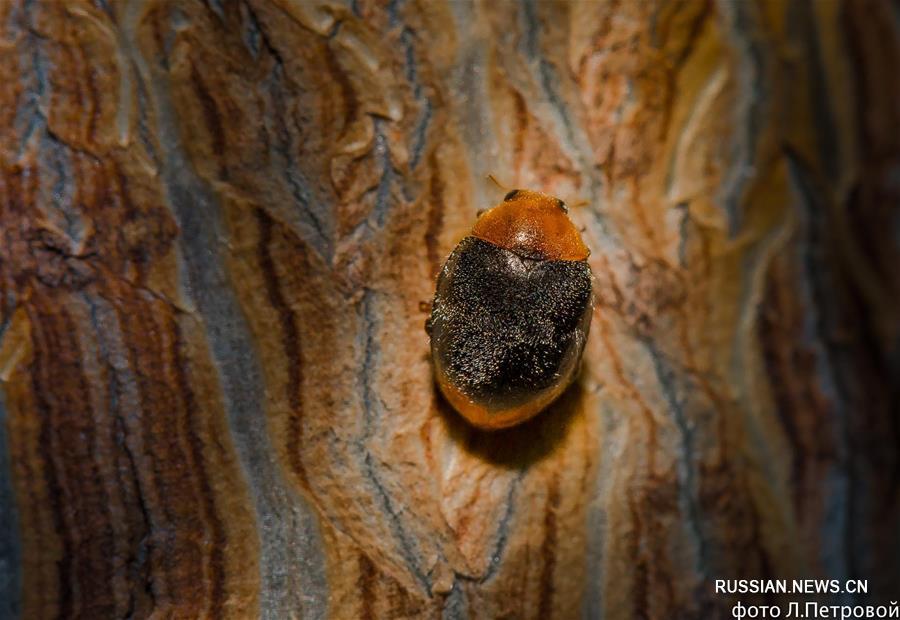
(218,220)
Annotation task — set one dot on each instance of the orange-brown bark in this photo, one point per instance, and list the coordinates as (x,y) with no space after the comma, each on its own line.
(217,223)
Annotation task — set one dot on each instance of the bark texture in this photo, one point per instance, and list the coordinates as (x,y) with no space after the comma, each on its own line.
(218,220)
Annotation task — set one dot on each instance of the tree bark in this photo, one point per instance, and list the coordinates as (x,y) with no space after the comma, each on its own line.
(219,220)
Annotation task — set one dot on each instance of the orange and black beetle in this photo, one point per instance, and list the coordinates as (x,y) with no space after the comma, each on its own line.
(512,311)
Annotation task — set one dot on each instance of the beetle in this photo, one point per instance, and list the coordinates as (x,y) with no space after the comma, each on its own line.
(511,311)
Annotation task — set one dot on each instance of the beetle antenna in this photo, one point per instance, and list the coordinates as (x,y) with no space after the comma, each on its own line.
(494,180)
(575,204)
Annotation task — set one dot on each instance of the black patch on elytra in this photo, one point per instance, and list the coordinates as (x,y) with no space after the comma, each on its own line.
(510,195)
(506,327)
